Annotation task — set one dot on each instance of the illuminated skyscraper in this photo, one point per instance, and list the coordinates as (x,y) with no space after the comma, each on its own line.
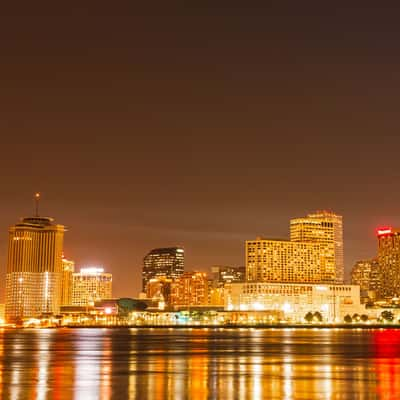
(66,281)
(163,263)
(313,254)
(34,268)
(325,228)
(91,285)
(389,262)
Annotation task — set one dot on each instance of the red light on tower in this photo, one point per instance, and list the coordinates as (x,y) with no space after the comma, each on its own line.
(384,231)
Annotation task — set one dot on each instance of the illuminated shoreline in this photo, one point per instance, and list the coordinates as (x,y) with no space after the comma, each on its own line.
(226,326)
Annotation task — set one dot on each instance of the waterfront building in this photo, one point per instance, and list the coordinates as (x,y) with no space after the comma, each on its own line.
(326,228)
(107,306)
(190,289)
(91,285)
(68,268)
(389,262)
(163,263)
(366,274)
(332,301)
(34,268)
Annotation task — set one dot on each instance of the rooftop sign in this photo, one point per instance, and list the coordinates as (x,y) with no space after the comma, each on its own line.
(384,231)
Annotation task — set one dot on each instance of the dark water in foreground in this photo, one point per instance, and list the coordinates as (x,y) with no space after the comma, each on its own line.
(199,364)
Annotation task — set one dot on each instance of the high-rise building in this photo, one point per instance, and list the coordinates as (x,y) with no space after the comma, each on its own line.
(272,260)
(326,228)
(68,268)
(389,262)
(313,254)
(163,263)
(34,268)
(90,285)
(190,289)
(366,274)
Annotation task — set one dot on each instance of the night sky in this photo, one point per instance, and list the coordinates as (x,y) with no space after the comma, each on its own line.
(197,125)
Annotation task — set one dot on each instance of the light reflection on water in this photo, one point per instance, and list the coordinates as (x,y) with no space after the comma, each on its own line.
(199,364)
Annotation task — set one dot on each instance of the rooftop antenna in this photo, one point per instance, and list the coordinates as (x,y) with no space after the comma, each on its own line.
(37,200)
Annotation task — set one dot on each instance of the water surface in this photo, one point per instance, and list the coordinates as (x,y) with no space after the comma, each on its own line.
(199,364)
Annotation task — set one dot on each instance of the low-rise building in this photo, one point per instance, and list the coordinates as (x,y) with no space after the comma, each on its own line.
(332,301)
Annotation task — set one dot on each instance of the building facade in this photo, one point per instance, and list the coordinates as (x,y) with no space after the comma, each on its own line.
(166,262)
(222,274)
(190,289)
(389,262)
(295,300)
(34,268)
(272,260)
(159,290)
(326,228)
(68,268)
(366,274)
(313,254)
(91,285)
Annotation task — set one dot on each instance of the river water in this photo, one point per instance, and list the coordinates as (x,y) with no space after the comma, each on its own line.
(199,364)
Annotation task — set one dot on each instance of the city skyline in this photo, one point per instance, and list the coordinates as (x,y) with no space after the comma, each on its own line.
(204,268)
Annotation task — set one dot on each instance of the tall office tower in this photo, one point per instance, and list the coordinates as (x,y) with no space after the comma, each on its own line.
(190,289)
(34,268)
(326,228)
(68,268)
(163,263)
(272,260)
(389,262)
(91,285)
(365,274)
